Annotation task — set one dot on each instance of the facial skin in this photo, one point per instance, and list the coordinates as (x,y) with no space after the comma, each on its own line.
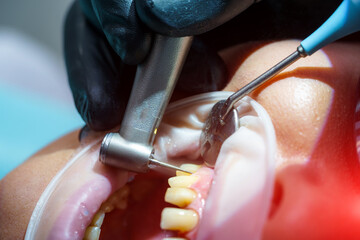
(312,105)
(302,98)
(313,108)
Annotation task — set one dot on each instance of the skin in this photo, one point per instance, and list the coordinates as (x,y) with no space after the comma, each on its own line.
(309,103)
(17,206)
(299,99)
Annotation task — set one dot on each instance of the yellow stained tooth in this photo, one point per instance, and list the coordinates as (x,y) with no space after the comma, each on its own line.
(92,233)
(182,181)
(98,219)
(180,197)
(188,167)
(118,199)
(107,207)
(177,219)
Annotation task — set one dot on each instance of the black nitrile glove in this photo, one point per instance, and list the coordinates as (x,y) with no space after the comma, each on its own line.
(105,40)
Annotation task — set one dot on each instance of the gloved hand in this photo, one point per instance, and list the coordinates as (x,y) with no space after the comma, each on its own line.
(106,39)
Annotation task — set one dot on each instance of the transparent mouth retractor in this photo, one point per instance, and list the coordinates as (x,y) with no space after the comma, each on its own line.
(50,202)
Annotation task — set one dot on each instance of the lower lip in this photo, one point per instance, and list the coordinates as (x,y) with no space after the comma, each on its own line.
(73,219)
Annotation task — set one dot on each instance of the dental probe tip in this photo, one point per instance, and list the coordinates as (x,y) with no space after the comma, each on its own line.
(166,165)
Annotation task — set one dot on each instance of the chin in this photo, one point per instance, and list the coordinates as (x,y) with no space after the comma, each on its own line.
(87,200)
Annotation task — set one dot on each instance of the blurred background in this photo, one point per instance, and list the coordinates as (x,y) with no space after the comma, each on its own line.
(36,106)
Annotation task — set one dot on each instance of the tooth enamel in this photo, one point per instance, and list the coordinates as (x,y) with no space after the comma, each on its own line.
(121,196)
(107,207)
(92,233)
(98,219)
(117,199)
(180,197)
(188,167)
(182,181)
(176,219)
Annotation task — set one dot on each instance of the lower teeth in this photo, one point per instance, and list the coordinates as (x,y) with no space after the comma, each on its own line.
(117,200)
(98,219)
(92,233)
(177,219)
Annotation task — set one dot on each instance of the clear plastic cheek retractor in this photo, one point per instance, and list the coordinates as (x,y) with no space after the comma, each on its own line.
(220,123)
(132,147)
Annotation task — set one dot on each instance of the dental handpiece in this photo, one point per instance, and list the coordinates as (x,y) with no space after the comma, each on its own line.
(132,147)
(344,21)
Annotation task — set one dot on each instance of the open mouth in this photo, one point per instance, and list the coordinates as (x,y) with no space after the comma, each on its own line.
(88,200)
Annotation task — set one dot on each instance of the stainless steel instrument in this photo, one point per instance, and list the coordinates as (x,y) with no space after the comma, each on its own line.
(132,147)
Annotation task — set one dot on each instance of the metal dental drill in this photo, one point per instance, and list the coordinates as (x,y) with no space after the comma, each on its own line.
(132,147)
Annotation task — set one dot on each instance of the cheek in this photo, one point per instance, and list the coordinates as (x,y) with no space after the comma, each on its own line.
(297,103)
(315,126)
(20,190)
(298,109)
(314,207)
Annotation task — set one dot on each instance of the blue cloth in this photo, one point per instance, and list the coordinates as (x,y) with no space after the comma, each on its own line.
(28,122)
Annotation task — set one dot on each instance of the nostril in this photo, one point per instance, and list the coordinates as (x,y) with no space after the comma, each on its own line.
(277,198)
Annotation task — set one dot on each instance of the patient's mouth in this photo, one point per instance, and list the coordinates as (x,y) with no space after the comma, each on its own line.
(153,206)
(117,200)
(185,193)
(156,206)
